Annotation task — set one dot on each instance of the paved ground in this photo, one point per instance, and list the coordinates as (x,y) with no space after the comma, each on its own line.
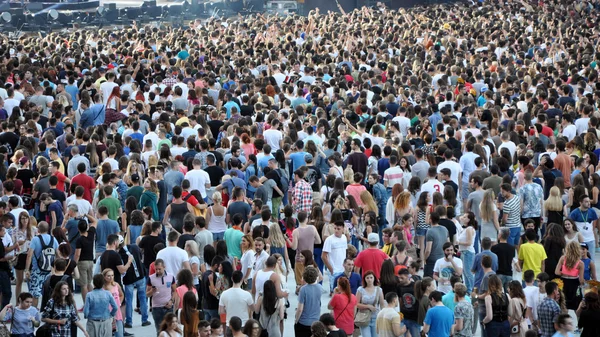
(149,331)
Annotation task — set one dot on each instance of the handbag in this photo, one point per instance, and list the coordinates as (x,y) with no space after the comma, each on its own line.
(46,329)
(363,316)
(515,327)
(4,331)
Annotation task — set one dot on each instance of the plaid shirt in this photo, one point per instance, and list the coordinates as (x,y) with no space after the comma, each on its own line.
(547,312)
(169,81)
(59,312)
(302,196)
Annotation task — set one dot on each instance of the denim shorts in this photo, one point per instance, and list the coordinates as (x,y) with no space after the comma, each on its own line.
(421,232)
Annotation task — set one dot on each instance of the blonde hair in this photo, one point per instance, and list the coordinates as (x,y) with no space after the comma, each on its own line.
(572,254)
(487,206)
(217,198)
(402,200)
(276,236)
(349,174)
(554,201)
(17,156)
(368,200)
(193,247)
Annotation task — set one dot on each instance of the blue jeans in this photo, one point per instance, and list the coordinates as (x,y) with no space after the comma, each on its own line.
(332,284)
(218,236)
(515,235)
(158,314)
(467,260)
(505,281)
(319,259)
(140,286)
(413,327)
(498,329)
(370,330)
(591,247)
(210,314)
(5,288)
(481,315)
(477,240)
(119,332)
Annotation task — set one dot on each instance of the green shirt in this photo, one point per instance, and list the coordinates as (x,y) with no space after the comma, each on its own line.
(233,239)
(113,206)
(135,191)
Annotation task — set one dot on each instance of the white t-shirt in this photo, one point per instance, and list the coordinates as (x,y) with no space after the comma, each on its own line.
(432,186)
(533,299)
(273,137)
(198,180)
(247,261)
(510,146)
(454,167)
(106,88)
(445,270)
(114,165)
(582,125)
(336,248)
(570,132)
(83,206)
(174,258)
(236,302)
(403,124)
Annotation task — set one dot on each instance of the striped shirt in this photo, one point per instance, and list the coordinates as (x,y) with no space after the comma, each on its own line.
(393,176)
(512,208)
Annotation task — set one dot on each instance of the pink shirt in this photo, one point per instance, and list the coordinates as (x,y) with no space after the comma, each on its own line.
(355,190)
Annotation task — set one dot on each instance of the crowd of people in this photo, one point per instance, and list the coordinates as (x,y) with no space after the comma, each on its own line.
(399,166)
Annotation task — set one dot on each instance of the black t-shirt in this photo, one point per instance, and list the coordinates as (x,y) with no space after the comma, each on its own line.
(313,176)
(214,126)
(11,139)
(506,254)
(4,264)
(409,305)
(111,259)
(449,226)
(26,176)
(454,186)
(58,195)
(183,239)
(210,301)
(247,110)
(338,333)
(86,244)
(218,157)
(359,162)
(131,276)
(147,244)
(215,173)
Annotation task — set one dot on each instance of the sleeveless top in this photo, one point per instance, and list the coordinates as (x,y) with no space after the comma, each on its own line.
(500,307)
(178,212)
(259,281)
(462,237)
(217,222)
(306,239)
(567,240)
(115,293)
(421,216)
(586,268)
(569,272)
(370,299)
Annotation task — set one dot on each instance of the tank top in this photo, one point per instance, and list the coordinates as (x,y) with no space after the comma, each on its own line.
(569,272)
(421,217)
(462,237)
(115,293)
(178,212)
(500,307)
(567,240)
(586,268)
(306,239)
(259,281)
(217,222)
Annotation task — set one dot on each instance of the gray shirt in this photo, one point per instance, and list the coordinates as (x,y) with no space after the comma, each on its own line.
(419,169)
(203,238)
(475,198)
(180,103)
(438,235)
(482,289)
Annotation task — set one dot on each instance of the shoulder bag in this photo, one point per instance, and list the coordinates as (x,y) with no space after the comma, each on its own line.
(363,316)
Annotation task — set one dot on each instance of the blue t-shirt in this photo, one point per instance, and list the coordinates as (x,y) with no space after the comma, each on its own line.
(103,230)
(297,160)
(310,297)
(440,320)
(57,208)
(36,245)
(478,269)
(355,281)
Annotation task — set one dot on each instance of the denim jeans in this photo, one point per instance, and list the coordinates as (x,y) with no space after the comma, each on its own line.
(370,330)
(218,236)
(481,316)
(332,277)
(140,286)
(211,313)
(319,259)
(477,240)
(158,314)
(467,259)
(505,281)
(5,288)
(498,329)
(515,235)
(592,247)
(413,327)
(119,332)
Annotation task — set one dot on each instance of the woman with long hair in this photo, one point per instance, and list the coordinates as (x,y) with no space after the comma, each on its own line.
(215,218)
(191,248)
(489,216)
(92,155)
(554,207)
(588,315)
(571,232)
(150,198)
(466,240)
(308,261)
(421,218)
(278,244)
(369,297)
(414,187)
(60,311)
(185,283)
(169,327)
(247,260)
(343,303)
(188,315)
(252,328)
(423,288)
(387,277)
(570,269)
(318,220)
(131,205)
(271,309)
(554,243)
(22,234)
(497,308)
(402,204)
(518,302)
(117,293)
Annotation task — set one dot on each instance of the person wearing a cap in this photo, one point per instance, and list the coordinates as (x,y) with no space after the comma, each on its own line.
(371,259)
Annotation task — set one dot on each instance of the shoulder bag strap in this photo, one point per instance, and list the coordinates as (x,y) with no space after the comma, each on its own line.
(338,316)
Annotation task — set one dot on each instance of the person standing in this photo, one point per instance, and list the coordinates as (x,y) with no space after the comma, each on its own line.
(388,322)
(353,278)
(586,220)
(463,312)
(334,252)
(134,280)
(409,304)
(174,257)
(38,253)
(97,304)
(511,213)
(371,258)
(439,319)
(161,286)
(112,260)
(309,303)
(302,197)
(343,305)
(435,238)
(532,200)
(506,256)
(549,309)
(235,301)
(531,254)
(446,267)
(474,202)
(60,312)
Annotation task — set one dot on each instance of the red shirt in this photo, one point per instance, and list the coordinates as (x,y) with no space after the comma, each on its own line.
(61,181)
(191,200)
(343,311)
(370,259)
(87,183)
(546,131)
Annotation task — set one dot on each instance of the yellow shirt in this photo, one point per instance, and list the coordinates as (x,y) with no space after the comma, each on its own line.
(532,255)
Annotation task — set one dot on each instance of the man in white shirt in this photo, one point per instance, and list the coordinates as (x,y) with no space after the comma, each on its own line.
(507,143)
(447,267)
(107,87)
(403,121)
(175,258)
(277,75)
(432,185)
(582,124)
(273,137)
(467,165)
(235,301)
(198,178)
(568,129)
(393,175)
(10,102)
(453,166)
(334,252)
